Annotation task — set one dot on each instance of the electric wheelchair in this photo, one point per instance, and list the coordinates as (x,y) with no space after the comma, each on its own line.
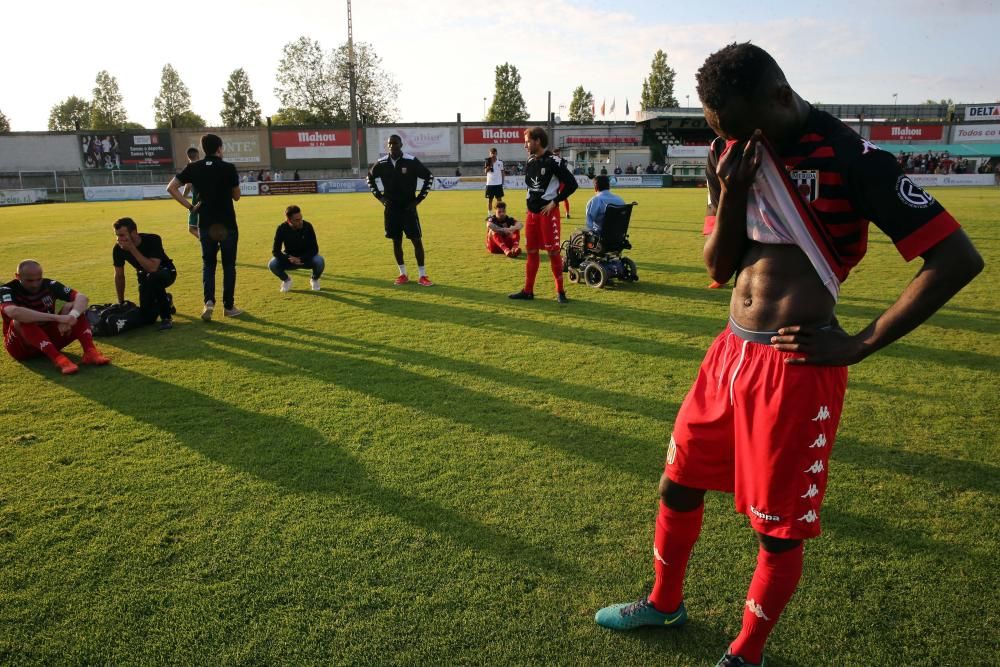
(596,259)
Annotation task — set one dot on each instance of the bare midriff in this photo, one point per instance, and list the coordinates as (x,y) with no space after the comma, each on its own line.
(776,287)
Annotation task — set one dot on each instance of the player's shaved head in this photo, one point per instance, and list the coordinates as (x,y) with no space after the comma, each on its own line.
(737,70)
(28,266)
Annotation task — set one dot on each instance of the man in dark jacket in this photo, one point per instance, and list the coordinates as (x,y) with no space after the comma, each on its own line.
(398,173)
(295,247)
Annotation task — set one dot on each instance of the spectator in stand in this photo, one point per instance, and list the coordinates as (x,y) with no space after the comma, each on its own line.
(295,176)
(604,170)
(618,170)
(260,176)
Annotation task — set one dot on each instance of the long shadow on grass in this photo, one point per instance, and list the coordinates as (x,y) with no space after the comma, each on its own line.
(355,366)
(292,456)
(600,396)
(579,310)
(936,469)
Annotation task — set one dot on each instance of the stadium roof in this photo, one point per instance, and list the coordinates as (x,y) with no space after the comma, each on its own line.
(958,150)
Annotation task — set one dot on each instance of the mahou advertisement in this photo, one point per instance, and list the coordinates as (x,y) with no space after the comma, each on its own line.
(493,135)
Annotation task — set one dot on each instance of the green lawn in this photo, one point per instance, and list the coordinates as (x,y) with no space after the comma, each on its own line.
(400,475)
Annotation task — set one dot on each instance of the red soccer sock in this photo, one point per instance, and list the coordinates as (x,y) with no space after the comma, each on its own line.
(82,332)
(37,338)
(530,271)
(771,588)
(676,533)
(555,261)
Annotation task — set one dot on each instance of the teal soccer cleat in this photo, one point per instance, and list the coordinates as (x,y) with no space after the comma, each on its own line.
(637,614)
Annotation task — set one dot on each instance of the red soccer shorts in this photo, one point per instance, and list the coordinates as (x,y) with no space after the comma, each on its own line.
(761,429)
(502,243)
(541,232)
(18,348)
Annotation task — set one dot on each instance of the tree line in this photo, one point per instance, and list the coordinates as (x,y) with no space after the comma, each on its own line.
(312,86)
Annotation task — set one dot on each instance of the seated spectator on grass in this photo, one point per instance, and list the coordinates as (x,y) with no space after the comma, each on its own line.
(598,205)
(154,271)
(503,233)
(295,247)
(31,326)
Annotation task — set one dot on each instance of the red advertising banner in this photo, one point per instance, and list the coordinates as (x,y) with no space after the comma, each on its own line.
(313,144)
(907,132)
(493,135)
(604,141)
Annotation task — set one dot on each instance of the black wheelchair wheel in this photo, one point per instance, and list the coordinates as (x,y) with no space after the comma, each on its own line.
(631,271)
(595,275)
(574,275)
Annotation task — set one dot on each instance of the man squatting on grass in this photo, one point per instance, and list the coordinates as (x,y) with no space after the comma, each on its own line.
(548,182)
(398,173)
(31,326)
(761,417)
(217,184)
(153,269)
(295,247)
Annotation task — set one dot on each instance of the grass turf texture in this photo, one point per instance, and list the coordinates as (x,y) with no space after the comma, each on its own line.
(402,475)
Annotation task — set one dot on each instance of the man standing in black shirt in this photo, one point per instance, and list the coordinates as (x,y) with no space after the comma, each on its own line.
(549,182)
(295,247)
(218,185)
(153,268)
(398,172)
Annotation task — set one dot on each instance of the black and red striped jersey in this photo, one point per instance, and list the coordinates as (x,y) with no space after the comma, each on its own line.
(42,301)
(847,182)
(543,176)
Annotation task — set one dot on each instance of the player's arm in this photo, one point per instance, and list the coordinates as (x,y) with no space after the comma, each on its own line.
(428,178)
(568,181)
(312,243)
(148,264)
(29,316)
(727,243)
(373,185)
(278,243)
(234,182)
(918,226)
(174,188)
(120,283)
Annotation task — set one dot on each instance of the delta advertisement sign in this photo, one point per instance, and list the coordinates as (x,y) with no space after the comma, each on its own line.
(313,144)
(983,112)
(907,132)
(493,135)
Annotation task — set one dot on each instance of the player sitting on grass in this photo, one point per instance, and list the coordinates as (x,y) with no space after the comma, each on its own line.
(31,326)
(503,233)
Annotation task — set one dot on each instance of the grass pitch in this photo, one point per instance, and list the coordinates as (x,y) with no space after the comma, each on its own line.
(401,475)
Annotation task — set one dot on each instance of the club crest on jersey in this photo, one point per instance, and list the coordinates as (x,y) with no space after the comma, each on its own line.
(403,170)
(543,171)
(806,181)
(912,194)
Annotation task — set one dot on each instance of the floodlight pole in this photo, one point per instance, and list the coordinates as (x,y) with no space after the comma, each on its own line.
(353,91)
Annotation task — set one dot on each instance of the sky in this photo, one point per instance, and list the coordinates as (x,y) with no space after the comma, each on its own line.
(442,53)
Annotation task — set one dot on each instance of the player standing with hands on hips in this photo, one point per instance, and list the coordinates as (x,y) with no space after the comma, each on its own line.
(398,173)
(543,176)
(761,418)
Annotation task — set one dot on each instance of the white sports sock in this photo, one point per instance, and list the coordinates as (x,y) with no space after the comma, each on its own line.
(422,271)
(402,269)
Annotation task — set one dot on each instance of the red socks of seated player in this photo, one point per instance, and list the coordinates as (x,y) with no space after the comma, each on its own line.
(771,588)
(676,533)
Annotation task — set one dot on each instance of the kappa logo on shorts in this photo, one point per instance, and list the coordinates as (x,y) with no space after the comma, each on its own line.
(815,468)
(822,415)
(671,451)
(809,517)
(819,442)
(812,492)
(763,515)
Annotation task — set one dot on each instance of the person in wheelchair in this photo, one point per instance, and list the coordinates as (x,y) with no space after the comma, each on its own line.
(593,254)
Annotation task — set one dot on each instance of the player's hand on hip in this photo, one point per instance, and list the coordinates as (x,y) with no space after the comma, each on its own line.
(818,347)
(738,167)
(548,208)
